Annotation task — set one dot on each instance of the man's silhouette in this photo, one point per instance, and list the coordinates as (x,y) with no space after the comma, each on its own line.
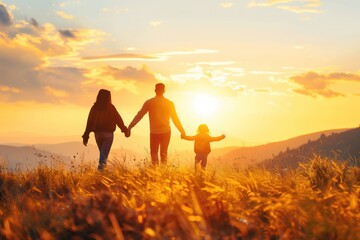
(160,111)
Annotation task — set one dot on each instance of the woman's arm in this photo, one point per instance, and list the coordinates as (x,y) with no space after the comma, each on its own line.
(89,125)
(119,121)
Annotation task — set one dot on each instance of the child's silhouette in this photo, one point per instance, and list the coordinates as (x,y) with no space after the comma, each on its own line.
(202,144)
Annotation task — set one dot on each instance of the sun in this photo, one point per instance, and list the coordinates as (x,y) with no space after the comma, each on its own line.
(205,105)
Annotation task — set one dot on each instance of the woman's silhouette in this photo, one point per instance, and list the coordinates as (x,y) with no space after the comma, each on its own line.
(102,120)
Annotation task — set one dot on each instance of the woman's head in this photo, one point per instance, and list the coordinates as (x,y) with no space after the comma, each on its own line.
(203,128)
(103,98)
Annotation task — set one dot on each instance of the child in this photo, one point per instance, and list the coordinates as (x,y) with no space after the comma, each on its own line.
(202,144)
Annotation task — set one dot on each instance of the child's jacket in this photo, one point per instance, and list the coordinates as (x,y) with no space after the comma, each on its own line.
(202,142)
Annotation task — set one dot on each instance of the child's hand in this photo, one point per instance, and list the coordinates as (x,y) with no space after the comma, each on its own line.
(223,135)
(183,135)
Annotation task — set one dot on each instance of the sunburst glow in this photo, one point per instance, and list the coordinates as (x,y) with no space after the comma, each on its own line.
(205,105)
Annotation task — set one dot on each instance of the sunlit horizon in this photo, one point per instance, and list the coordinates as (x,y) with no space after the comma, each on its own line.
(258,71)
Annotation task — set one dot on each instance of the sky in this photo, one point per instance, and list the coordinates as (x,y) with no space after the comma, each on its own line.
(258,71)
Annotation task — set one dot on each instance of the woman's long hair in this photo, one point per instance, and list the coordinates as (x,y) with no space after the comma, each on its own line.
(103,99)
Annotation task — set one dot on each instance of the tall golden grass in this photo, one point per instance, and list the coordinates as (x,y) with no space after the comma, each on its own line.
(319,200)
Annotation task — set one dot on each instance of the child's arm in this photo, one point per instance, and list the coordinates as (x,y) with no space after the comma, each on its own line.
(218,138)
(189,138)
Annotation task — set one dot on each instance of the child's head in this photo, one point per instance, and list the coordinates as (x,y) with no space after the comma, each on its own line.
(203,128)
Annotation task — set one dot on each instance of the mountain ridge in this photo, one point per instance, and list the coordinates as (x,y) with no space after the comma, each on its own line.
(75,151)
(343,146)
(254,154)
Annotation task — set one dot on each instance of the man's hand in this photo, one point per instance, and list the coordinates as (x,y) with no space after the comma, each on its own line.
(183,135)
(128,132)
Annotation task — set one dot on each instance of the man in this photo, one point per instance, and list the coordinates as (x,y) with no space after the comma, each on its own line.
(160,111)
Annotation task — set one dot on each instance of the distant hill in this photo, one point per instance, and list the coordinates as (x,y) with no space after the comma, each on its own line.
(66,155)
(26,157)
(74,152)
(254,154)
(339,146)
(78,151)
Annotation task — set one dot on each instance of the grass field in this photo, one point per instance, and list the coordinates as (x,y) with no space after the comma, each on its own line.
(319,200)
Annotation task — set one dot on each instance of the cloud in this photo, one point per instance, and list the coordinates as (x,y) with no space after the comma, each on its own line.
(298,47)
(9,89)
(24,63)
(188,52)
(30,57)
(314,84)
(50,41)
(155,23)
(67,33)
(226,4)
(265,73)
(34,23)
(128,78)
(220,63)
(17,64)
(217,75)
(296,6)
(55,92)
(5,16)
(145,57)
(123,56)
(114,10)
(27,78)
(64,15)
(191,74)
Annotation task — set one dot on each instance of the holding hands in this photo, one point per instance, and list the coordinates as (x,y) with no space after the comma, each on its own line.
(183,135)
(127,132)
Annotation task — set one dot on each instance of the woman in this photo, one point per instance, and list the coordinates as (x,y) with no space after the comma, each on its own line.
(102,120)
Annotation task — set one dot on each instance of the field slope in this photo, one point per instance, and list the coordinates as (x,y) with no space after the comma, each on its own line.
(319,200)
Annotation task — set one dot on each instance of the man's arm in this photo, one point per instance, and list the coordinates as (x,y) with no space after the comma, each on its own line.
(176,120)
(139,115)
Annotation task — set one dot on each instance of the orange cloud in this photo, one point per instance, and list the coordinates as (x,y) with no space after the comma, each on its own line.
(188,52)
(46,37)
(55,92)
(155,23)
(9,89)
(123,56)
(64,15)
(314,84)
(128,78)
(27,50)
(226,4)
(163,56)
(296,6)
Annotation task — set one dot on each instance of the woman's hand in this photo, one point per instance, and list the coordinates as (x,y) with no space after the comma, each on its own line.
(85,139)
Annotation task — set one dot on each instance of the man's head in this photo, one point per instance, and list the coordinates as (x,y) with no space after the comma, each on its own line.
(159,89)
